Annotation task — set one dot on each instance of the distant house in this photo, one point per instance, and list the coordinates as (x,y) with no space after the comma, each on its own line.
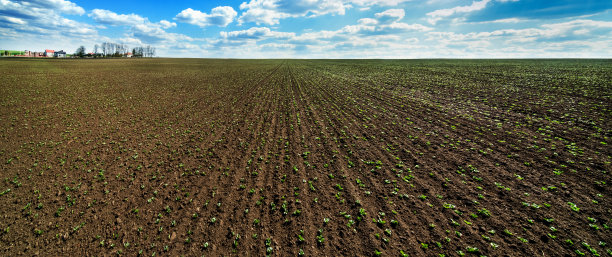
(49,53)
(59,54)
(128,55)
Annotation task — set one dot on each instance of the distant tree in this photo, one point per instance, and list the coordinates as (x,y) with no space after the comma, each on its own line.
(80,52)
(104,49)
(148,51)
(96,47)
(120,50)
(137,51)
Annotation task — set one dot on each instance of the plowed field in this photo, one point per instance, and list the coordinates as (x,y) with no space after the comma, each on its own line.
(191,157)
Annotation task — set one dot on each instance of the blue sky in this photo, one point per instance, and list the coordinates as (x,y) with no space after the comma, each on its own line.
(317,28)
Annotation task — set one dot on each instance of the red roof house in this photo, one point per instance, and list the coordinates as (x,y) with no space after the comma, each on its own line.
(49,53)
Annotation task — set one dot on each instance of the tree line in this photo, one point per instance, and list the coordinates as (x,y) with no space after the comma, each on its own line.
(108,49)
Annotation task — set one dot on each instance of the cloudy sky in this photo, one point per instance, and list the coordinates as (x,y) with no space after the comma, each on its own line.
(317,28)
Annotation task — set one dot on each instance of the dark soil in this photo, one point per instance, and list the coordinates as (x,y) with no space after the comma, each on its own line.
(323,157)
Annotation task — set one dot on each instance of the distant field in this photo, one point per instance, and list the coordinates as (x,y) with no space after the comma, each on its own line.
(322,157)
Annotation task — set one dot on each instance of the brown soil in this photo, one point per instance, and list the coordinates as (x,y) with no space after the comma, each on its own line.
(330,158)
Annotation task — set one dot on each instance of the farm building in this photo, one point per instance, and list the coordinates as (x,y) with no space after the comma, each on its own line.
(59,54)
(49,53)
(28,53)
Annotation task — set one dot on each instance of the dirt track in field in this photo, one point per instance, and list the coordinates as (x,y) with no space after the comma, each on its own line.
(277,157)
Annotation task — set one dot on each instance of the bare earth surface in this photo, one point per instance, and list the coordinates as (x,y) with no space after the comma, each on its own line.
(191,157)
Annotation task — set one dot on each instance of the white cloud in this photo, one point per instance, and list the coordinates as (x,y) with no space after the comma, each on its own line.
(553,30)
(130,41)
(367,21)
(582,32)
(153,33)
(390,15)
(314,38)
(186,46)
(255,33)
(133,20)
(352,45)
(166,24)
(440,14)
(13,20)
(354,29)
(579,23)
(367,29)
(43,18)
(271,11)
(386,29)
(141,30)
(508,20)
(276,46)
(61,6)
(111,18)
(538,42)
(262,16)
(378,2)
(220,16)
(400,26)
(39,25)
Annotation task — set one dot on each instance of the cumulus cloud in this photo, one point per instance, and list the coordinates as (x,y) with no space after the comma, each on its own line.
(141,30)
(390,15)
(314,38)
(255,33)
(166,24)
(378,2)
(367,21)
(154,33)
(440,14)
(219,16)
(386,29)
(367,29)
(13,20)
(271,11)
(585,30)
(43,17)
(384,23)
(502,48)
(402,27)
(133,20)
(112,18)
(242,39)
(130,41)
(384,26)
(276,47)
(61,6)
(508,20)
